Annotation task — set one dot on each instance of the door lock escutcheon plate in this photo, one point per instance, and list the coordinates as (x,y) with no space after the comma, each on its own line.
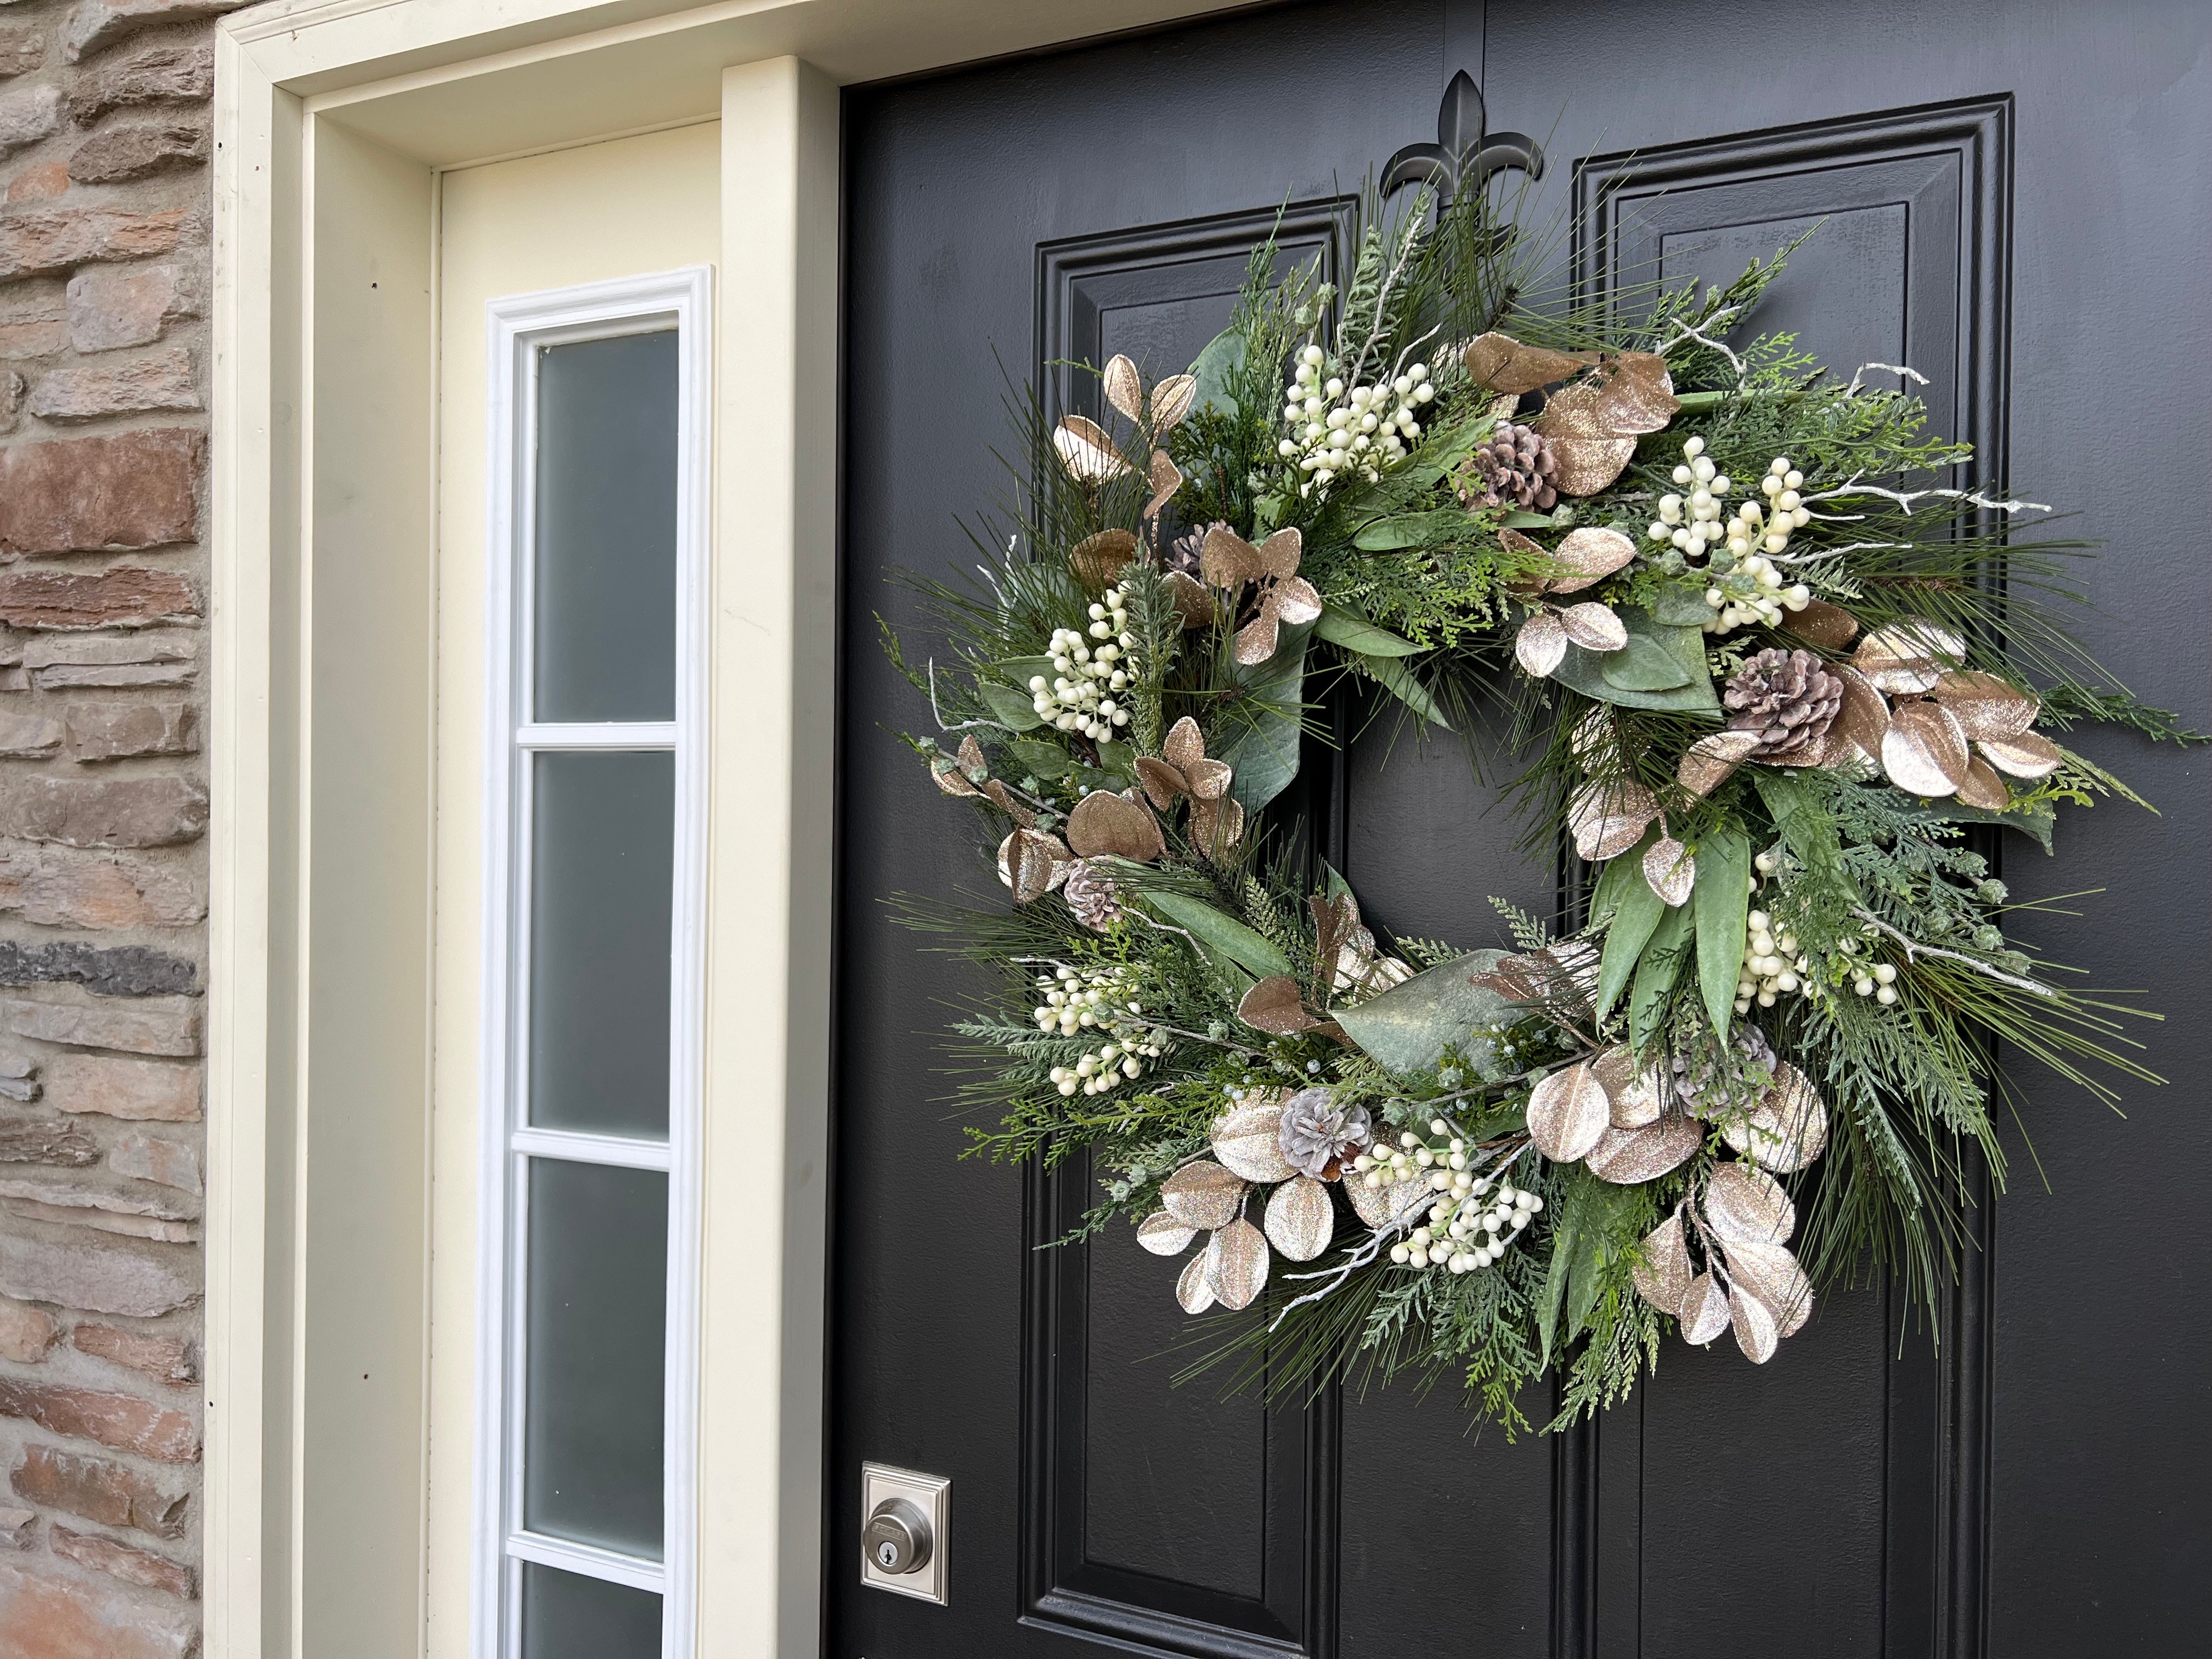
(903,1538)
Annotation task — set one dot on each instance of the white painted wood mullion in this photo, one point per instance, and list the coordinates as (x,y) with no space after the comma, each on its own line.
(598,734)
(616,1152)
(586,1561)
(519,326)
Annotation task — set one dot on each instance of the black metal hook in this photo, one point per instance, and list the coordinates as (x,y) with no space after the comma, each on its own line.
(1463,153)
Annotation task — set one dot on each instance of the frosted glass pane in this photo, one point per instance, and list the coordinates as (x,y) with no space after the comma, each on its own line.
(568,1616)
(603,862)
(605,627)
(596,1355)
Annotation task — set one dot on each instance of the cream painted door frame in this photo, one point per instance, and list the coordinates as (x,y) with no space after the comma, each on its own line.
(338,122)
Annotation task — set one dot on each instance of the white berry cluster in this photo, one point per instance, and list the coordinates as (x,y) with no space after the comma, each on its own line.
(1775,965)
(1746,585)
(1473,1218)
(1362,429)
(1103,999)
(1088,673)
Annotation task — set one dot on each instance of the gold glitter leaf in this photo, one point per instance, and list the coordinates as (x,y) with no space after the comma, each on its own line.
(1162,1235)
(1863,720)
(1275,1006)
(1594,627)
(1924,751)
(1171,401)
(1910,656)
(1662,1272)
(1708,762)
(1771,1273)
(1086,451)
(1245,1141)
(1671,870)
(1166,478)
(1124,390)
(2030,755)
(1568,1114)
(1541,645)
(1032,864)
(1194,1288)
(1300,1218)
(1104,824)
(1746,1205)
(1828,626)
(1636,394)
(1379,1206)
(1984,788)
(1202,1194)
(1754,1326)
(1504,364)
(1193,603)
(1586,466)
(1607,817)
(1236,1264)
(1987,709)
(1704,1310)
(1787,1129)
(1097,560)
(1587,556)
(1625,1156)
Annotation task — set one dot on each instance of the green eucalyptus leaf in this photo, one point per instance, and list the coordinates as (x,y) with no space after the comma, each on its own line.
(1046,759)
(1681,605)
(1721,899)
(1407,1028)
(1118,758)
(1262,734)
(1016,710)
(1215,365)
(2036,823)
(1022,669)
(1586,671)
(1352,631)
(1518,520)
(1566,1233)
(1252,952)
(1636,914)
(1656,971)
(1414,530)
(1642,664)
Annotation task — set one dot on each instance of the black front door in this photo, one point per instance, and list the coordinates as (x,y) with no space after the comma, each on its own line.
(2009,198)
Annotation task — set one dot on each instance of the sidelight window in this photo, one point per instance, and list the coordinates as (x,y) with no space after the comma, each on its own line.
(593,1004)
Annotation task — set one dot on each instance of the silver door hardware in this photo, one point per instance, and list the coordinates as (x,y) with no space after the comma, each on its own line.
(897,1538)
(902,1531)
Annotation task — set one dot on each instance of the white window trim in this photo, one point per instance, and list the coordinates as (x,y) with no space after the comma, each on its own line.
(516,327)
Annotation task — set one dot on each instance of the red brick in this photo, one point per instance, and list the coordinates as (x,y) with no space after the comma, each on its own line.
(99,1489)
(129,491)
(165,1359)
(44,1617)
(123,1421)
(127,1562)
(122,596)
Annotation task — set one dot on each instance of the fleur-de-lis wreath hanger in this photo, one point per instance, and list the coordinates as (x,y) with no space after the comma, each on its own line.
(1464,153)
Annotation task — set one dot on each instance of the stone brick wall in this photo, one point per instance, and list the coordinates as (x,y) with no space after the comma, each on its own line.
(105,131)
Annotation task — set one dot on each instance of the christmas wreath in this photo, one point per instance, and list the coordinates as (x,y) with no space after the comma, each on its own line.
(1767,665)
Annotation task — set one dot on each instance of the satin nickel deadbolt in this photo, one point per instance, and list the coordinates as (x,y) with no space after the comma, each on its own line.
(902,1531)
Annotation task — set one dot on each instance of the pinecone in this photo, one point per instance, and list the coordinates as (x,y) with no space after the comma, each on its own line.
(1514,468)
(1321,1137)
(1789,699)
(1089,893)
(1184,551)
(1703,1087)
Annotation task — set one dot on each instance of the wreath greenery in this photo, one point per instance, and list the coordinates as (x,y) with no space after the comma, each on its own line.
(1762,660)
